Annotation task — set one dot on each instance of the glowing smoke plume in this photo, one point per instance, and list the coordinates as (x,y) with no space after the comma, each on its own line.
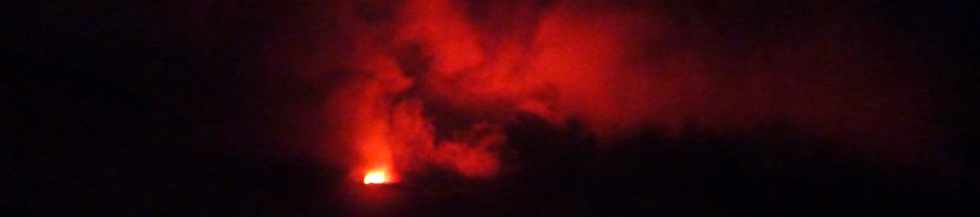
(418,66)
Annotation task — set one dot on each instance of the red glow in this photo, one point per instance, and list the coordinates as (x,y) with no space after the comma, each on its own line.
(477,69)
(614,69)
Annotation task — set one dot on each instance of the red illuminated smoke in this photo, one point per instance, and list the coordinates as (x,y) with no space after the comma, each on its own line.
(613,67)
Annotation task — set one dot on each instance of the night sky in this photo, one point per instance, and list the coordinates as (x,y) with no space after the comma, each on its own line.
(494,108)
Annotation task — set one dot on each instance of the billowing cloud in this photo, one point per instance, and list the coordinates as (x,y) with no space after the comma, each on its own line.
(433,82)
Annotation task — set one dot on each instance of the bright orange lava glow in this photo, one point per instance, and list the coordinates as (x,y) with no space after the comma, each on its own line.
(375,177)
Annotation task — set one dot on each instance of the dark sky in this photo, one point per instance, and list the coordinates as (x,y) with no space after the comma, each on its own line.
(207,108)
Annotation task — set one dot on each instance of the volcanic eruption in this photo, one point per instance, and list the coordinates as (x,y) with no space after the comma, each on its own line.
(435,83)
(494,108)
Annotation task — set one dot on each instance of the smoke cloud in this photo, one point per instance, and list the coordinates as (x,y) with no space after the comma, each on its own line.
(431,83)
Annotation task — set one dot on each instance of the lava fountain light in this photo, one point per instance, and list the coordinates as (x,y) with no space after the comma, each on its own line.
(376,177)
